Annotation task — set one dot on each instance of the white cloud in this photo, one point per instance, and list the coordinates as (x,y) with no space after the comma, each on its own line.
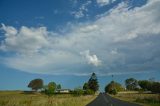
(78,14)
(105,2)
(102,2)
(124,40)
(10,31)
(26,40)
(82,10)
(92,59)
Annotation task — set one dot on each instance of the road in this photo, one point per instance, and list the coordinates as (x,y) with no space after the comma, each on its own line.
(106,100)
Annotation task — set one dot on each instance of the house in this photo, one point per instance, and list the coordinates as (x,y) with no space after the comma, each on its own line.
(63,91)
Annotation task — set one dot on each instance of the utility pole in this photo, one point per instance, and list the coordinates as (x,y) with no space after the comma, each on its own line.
(112,77)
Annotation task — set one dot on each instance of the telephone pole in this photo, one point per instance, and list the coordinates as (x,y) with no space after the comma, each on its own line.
(112,77)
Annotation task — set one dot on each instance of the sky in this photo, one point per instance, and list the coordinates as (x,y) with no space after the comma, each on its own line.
(66,40)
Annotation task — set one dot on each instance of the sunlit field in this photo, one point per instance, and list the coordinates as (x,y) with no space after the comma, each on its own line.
(140,98)
(18,98)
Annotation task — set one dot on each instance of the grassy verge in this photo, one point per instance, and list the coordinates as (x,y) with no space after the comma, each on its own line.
(142,99)
(18,98)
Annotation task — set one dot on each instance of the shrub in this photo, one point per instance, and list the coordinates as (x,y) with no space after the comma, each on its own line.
(113,92)
(78,92)
(89,92)
(50,89)
(155,87)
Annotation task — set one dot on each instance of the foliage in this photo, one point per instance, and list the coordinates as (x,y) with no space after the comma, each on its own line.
(85,86)
(131,83)
(145,84)
(51,88)
(89,92)
(113,88)
(93,83)
(155,88)
(36,84)
(78,92)
(150,85)
(58,86)
(113,92)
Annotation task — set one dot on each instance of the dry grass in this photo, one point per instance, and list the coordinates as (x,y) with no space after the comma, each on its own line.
(18,98)
(140,98)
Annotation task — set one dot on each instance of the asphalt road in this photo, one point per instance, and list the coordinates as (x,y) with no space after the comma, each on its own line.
(106,100)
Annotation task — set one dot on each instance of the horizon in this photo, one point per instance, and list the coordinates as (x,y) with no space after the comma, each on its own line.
(65,42)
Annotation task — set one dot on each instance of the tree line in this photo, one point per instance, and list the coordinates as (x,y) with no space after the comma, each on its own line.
(92,86)
(89,88)
(132,84)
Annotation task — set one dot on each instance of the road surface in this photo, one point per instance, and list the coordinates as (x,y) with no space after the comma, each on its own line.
(106,100)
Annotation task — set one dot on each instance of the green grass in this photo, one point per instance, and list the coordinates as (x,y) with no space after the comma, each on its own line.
(140,98)
(18,98)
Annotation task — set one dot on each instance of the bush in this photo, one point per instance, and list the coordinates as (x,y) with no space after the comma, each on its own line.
(113,92)
(50,88)
(89,92)
(78,92)
(155,87)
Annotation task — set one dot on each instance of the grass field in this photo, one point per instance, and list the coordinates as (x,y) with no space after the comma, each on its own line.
(18,98)
(140,98)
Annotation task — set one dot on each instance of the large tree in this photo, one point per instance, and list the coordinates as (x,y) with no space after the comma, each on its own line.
(93,83)
(131,83)
(36,84)
(113,86)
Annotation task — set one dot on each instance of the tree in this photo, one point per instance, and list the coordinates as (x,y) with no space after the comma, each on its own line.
(85,86)
(145,84)
(113,88)
(58,86)
(93,83)
(155,88)
(51,88)
(131,83)
(150,85)
(36,84)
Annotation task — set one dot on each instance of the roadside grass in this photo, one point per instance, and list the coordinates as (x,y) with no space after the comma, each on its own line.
(18,98)
(140,98)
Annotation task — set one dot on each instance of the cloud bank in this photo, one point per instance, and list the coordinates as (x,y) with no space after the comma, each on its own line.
(119,41)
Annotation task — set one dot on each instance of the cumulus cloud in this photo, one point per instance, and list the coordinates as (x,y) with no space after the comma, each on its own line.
(92,59)
(24,40)
(124,40)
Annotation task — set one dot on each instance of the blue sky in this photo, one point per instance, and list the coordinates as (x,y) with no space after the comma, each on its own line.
(66,40)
